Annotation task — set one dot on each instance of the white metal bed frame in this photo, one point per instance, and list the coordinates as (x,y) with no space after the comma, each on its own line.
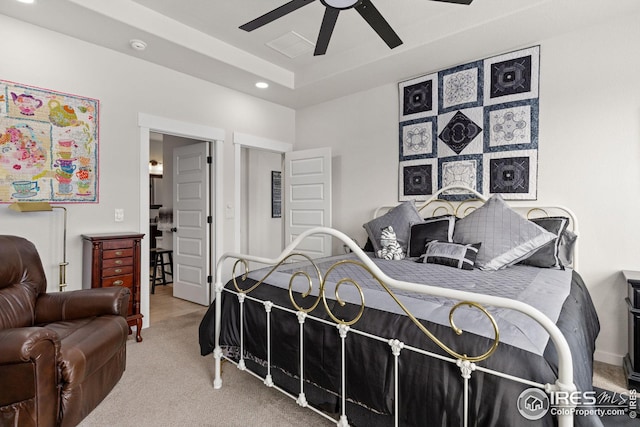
(467,364)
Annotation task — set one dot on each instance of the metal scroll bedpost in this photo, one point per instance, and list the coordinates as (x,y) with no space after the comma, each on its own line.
(563,384)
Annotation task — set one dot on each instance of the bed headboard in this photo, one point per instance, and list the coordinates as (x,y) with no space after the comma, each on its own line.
(438,205)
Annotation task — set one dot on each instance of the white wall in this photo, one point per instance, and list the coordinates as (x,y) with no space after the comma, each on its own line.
(266,238)
(589,156)
(125,87)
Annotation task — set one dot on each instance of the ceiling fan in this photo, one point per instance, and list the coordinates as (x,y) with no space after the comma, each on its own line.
(365,8)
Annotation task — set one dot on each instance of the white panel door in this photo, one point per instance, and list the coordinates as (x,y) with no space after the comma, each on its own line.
(192,234)
(307,198)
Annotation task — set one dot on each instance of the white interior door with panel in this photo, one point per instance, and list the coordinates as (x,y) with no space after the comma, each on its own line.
(307,197)
(192,234)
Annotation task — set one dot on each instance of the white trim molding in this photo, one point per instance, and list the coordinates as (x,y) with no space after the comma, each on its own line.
(150,123)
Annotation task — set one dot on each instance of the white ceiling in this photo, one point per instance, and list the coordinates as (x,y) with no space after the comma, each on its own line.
(201,38)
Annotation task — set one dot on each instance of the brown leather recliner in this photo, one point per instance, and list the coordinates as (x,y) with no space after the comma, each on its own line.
(60,353)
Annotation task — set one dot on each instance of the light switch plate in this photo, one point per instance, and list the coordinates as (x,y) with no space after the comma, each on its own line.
(119,215)
(229,212)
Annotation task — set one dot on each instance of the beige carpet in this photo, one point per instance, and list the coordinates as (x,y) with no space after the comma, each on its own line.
(168,383)
(609,377)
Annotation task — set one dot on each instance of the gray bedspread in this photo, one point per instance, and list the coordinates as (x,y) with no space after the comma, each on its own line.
(544,289)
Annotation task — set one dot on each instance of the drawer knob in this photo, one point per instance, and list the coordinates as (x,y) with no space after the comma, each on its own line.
(118,253)
(119,261)
(118,270)
(117,282)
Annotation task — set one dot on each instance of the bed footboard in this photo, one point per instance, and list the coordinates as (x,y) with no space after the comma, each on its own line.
(468,364)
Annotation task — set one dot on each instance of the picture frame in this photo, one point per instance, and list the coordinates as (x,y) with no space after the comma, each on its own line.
(276,194)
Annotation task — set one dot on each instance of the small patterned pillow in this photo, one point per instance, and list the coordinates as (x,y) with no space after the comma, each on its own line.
(451,254)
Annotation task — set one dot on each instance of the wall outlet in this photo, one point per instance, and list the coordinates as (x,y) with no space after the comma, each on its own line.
(119,216)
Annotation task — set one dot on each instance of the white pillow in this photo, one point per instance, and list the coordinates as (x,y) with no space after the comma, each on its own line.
(506,236)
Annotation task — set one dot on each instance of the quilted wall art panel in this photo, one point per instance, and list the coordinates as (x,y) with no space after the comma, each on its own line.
(474,125)
(48,145)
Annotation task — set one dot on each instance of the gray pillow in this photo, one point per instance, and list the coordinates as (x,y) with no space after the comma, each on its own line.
(567,247)
(401,218)
(440,229)
(547,256)
(506,236)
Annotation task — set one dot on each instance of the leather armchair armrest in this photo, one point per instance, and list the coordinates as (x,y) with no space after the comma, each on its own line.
(22,344)
(60,306)
(29,372)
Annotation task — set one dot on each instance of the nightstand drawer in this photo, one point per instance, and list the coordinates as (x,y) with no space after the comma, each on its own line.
(126,281)
(117,244)
(116,262)
(118,253)
(117,271)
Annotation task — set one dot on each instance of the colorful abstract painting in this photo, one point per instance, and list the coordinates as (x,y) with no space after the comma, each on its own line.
(474,125)
(48,145)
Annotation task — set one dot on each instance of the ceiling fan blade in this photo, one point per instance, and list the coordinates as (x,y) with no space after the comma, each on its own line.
(275,14)
(328,23)
(367,10)
(455,1)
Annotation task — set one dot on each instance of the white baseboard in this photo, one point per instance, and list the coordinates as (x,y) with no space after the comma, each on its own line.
(610,358)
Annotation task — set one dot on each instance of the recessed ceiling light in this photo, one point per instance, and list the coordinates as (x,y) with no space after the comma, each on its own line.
(137,44)
(262,85)
(27,1)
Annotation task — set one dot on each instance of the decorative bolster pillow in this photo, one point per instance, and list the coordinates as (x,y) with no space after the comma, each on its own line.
(462,256)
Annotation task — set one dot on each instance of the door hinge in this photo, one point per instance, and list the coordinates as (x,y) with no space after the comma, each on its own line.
(209,219)
(209,159)
(209,279)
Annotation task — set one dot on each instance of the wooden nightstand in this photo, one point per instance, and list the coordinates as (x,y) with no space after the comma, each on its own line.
(632,359)
(113,259)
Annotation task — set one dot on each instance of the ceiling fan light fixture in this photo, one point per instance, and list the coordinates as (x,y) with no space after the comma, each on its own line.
(340,4)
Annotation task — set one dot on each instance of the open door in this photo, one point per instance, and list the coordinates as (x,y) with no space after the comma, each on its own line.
(192,233)
(307,198)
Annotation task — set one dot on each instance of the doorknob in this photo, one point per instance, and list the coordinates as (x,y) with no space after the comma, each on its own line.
(174,229)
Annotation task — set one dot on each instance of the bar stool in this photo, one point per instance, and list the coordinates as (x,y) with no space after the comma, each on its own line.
(158,260)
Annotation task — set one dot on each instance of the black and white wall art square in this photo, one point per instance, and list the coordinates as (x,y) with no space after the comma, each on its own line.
(474,124)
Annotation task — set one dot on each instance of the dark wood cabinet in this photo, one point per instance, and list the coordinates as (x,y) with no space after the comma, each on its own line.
(632,359)
(113,259)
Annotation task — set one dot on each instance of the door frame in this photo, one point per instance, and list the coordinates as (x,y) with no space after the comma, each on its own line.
(150,123)
(240,141)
